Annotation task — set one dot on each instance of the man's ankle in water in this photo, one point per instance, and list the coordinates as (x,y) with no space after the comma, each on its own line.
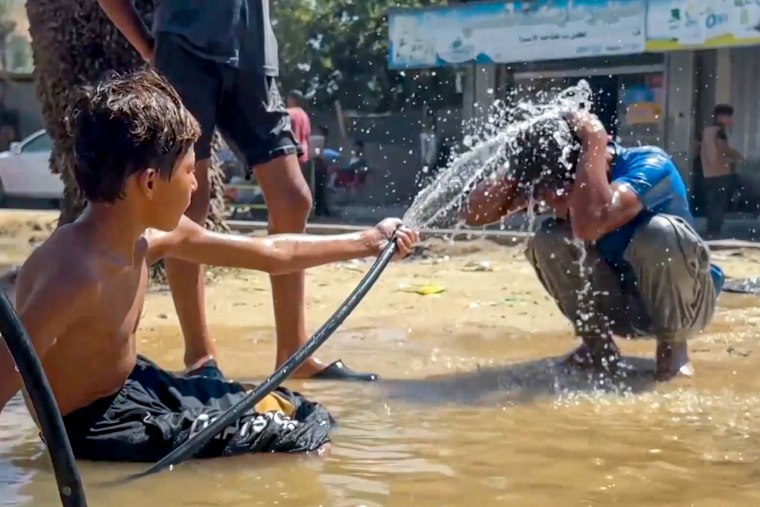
(598,352)
(672,358)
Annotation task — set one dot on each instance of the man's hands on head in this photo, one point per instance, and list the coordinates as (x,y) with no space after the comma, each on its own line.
(384,231)
(587,126)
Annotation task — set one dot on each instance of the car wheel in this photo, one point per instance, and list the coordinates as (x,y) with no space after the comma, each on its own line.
(3,197)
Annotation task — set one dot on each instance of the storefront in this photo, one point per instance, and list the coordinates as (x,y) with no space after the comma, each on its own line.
(717,45)
(657,67)
(503,48)
(629,93)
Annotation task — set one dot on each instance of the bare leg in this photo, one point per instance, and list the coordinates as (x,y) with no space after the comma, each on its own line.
(672,267)
(187,282)
(288,202)
(555,260)
(673,360)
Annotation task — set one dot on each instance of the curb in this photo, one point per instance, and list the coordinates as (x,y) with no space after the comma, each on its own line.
(248,226)
(461,234)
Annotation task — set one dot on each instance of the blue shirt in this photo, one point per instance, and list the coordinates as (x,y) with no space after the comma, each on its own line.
(651,174)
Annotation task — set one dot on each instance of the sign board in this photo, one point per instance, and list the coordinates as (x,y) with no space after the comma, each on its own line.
(508,32)
(696,24)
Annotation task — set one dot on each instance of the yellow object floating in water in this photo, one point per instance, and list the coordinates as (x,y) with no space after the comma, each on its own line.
(425,290)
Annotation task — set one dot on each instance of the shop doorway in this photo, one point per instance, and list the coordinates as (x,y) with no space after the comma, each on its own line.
(605,90)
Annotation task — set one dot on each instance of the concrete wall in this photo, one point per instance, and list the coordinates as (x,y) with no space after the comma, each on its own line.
(478,95)
(680,83)
(743,89)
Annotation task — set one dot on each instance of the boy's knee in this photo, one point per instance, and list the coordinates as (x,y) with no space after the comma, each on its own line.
(290,211)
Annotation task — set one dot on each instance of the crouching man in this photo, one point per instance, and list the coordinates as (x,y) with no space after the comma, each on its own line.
(621,255)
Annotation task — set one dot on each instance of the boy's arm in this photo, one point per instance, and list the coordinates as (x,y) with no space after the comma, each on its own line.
(491,200)
(45,314)
(277,254)
(124,16)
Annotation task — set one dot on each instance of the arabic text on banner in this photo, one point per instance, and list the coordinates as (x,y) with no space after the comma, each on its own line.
(508,32)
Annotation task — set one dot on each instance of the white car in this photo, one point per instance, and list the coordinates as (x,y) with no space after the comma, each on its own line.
(25,170)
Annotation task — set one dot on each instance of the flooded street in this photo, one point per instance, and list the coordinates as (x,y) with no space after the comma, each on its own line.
(474,407)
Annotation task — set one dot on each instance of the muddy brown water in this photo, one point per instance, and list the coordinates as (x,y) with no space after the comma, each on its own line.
(473,408)
(519,430)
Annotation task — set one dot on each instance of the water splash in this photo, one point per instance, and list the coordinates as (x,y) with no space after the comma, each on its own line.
(586,308)
(487,152)
(591,321)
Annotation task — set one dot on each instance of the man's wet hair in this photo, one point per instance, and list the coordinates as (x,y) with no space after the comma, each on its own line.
(723,110)
(544,154)
(123,125)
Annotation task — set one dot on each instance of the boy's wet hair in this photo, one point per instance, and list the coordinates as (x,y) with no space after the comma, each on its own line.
(126,124)
(544,154)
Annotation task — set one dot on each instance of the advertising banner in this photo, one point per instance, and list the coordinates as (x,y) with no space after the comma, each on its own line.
(508,32)
(697,24)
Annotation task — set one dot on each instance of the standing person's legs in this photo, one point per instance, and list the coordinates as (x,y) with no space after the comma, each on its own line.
(718,191)
(254,117)
(594,302)
(199,84)
(320,187)
(671,264)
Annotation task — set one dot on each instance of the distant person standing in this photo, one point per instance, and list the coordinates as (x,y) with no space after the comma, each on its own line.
(718,160)
(300,123)
(317,145)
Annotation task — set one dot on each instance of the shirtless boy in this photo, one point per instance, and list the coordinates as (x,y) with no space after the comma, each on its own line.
(649,271)
(135,164)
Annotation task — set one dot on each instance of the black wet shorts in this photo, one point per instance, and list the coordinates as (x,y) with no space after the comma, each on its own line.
(156,411)
(245,106)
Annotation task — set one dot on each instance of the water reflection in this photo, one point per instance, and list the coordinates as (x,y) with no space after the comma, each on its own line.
(525,431)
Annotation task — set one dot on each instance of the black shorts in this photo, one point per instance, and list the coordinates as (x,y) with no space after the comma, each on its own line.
(244,105)
(156,411)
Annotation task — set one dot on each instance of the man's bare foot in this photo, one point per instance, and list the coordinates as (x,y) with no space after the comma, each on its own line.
(600,354)
(673,361)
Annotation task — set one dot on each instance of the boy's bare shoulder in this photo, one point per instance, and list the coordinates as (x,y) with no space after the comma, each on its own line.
(59,267)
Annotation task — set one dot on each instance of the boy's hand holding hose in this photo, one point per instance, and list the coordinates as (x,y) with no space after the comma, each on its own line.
(378,237)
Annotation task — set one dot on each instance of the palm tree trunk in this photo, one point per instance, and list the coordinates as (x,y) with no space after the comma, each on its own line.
(74,43)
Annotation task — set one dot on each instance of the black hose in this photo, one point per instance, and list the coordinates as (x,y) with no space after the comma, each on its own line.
(37,387)
(195,443)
